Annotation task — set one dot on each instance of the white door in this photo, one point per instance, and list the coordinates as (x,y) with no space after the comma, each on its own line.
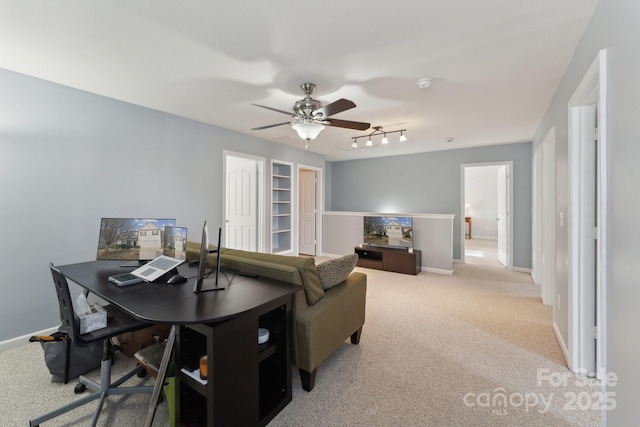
(308,210)
(502,215)
(586,221)
(241,229)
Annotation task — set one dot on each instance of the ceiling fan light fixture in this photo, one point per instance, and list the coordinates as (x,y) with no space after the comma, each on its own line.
(369,142)
(308,130)
(385,140)
(354,144)
(310,116)
(402,137)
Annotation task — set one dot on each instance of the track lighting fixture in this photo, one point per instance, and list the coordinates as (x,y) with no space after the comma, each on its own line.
(377,130)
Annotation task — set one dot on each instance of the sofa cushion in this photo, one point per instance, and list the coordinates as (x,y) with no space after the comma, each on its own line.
(291,269)
(284,273)
(335,271)
(306,267)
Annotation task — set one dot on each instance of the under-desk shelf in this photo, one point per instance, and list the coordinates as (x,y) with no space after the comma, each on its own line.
(193,383)
(266,350)
(253,379)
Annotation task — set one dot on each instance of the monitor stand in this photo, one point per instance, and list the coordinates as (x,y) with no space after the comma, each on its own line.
(215,284)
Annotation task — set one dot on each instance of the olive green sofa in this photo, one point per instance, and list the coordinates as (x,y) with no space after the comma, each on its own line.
(322,319)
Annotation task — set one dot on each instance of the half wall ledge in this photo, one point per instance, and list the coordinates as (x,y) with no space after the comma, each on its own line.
(432,234)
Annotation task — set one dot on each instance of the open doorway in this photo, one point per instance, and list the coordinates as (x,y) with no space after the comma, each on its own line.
(486,209)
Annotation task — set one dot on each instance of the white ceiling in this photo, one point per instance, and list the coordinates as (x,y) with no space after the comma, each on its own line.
(495,63)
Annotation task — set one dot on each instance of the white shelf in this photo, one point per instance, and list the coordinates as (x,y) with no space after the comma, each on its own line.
(281,202)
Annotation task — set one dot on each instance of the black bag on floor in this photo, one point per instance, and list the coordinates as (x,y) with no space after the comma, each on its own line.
(66,360)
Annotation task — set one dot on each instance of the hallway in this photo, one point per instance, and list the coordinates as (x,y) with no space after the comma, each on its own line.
(482,251)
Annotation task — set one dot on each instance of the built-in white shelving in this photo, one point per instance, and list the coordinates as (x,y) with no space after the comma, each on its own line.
(281,207)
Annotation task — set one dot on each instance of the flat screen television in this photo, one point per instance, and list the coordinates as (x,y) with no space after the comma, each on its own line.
(392,231)
(137,240)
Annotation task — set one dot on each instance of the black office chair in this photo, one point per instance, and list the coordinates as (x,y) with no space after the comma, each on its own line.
(118,322)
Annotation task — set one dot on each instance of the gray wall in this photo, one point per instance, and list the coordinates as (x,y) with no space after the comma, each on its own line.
(614,27)
(69,158)
(430,183)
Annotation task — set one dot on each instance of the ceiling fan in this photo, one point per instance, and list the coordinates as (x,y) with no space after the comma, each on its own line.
(309,117)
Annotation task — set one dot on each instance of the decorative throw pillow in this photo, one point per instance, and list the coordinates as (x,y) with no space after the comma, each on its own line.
(336,270)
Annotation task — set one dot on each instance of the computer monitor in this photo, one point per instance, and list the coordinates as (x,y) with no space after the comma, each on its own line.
(202,285)
(175,242)
(137,240)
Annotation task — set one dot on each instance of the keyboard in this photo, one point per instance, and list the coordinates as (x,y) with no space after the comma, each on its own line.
(163,263)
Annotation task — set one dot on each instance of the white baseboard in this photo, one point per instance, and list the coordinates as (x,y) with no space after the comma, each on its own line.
(437,271)
(18,341)
(563,346)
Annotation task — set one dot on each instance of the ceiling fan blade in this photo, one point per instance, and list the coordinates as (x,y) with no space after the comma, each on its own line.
(288,113)
(270,126)
(347,124)
(335,107)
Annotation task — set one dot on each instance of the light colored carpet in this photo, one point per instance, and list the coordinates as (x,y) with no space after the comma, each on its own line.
(26,392)
(435,351)
(481,251)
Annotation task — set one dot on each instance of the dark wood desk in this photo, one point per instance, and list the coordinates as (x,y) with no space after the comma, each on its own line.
(224,325)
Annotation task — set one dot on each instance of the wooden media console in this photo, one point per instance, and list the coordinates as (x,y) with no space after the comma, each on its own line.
(398,260)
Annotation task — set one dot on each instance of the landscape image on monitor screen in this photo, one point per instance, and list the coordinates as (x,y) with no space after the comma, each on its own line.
(388,231)
(175,242)
(135,238)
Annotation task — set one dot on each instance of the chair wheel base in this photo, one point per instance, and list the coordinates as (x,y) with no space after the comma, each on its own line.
(79,388)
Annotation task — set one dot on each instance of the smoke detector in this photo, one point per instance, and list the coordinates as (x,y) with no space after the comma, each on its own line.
(425,82)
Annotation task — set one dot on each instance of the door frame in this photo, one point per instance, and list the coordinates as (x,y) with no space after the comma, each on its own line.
(590,91)
(544,223)
(319,206)
(509,204)
(261,219)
